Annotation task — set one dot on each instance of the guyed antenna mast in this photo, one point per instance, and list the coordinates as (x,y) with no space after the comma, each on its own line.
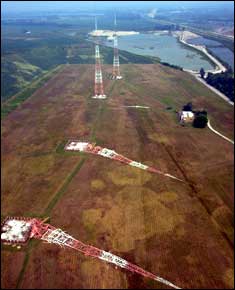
(116,65)
(98,85)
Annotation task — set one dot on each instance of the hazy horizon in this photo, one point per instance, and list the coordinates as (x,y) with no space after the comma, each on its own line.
(32,6)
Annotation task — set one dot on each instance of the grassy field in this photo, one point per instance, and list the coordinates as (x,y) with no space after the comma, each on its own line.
(25,58)
(181,232)
(15,101)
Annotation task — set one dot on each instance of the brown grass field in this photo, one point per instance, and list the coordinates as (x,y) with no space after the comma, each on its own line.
(181,232)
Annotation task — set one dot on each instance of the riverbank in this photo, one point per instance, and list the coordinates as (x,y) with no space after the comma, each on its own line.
(183,36)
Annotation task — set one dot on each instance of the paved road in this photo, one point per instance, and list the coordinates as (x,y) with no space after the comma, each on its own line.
(218,133)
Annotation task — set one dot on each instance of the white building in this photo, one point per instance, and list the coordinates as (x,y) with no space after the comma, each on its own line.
(186,117)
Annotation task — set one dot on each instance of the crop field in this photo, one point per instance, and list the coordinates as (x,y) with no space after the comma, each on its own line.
(182,232)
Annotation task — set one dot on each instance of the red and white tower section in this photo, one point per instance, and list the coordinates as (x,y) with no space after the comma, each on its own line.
(116,65)
(19,230)
(105,152)
(99,88)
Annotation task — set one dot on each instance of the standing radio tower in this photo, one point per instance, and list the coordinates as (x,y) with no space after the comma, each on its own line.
(99,89)
(116,65)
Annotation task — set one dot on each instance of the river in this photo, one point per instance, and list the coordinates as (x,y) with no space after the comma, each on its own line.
(165,47)
(217,49)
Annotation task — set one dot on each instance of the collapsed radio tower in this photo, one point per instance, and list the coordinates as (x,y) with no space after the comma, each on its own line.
(99,88)
(97,150)
(116,65)
(18,230)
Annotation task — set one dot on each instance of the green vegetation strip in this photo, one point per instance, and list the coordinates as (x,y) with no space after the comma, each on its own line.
(60,149)
(64,187)
(93,131)
(60,192)
(102,108)
(32,243)
(137,89)
(19,98)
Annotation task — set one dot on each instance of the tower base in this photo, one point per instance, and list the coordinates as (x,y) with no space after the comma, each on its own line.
(116,77)
(99,97)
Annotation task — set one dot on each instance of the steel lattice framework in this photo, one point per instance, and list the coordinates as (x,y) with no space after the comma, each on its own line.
(52,235)
(99,88)
(116,64)
(97,150)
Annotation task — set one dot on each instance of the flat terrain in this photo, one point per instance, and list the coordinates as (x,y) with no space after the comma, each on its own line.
(181,232)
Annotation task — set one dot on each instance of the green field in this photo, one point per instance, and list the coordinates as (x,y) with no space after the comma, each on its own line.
(26,57)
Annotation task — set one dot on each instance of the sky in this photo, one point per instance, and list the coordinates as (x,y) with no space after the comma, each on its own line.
(38,5)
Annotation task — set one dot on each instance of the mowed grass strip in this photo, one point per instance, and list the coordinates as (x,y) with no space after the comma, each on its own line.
(62,190)
(60,150)
(32,243)
(101,110)
(14,102)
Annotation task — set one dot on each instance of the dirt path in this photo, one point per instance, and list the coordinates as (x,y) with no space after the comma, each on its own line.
(216,132)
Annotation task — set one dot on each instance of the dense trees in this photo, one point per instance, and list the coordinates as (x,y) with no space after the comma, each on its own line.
(200,120)
(224,82)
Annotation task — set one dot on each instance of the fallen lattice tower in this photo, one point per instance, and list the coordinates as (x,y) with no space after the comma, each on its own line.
(18,230)
(91,148)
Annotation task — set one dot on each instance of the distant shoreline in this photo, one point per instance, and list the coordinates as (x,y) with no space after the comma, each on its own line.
(184,36)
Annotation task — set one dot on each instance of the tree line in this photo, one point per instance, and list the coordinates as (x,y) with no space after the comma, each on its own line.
(224,82)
